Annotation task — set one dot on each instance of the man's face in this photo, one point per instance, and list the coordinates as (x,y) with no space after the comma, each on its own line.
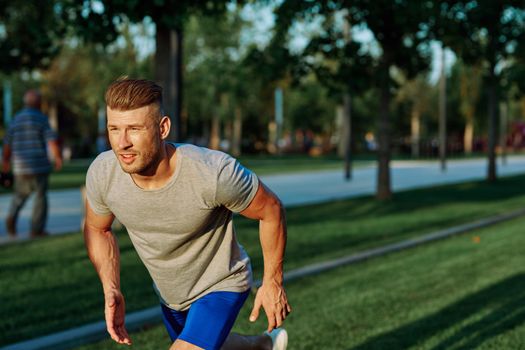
(135,138)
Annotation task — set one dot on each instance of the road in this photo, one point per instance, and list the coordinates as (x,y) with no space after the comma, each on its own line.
(65,211)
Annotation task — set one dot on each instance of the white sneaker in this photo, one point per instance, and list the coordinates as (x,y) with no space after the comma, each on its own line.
(279,338)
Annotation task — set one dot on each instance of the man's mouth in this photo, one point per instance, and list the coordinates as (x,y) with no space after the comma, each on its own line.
(127,157)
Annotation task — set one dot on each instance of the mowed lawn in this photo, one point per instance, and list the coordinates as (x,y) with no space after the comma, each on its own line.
(49,285)
(466,292)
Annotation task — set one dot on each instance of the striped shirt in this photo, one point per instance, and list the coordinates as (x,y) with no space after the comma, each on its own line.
(27,136)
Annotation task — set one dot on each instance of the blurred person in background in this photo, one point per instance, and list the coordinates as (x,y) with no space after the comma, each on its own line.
(177,203)
(25,154)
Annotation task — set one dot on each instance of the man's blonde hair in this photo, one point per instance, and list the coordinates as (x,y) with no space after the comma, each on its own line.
(126,94)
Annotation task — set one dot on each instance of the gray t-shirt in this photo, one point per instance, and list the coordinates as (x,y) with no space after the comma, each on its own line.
(183,232)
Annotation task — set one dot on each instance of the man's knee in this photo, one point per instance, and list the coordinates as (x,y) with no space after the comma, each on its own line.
(183,345)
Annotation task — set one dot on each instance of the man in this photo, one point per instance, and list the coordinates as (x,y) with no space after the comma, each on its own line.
(25,146)
(177,202)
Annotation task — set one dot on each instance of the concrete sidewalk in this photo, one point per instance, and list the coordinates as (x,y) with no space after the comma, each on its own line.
(65,206)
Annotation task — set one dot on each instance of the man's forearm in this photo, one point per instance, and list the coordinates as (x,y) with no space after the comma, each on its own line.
(104,253)
(6,158)
(272,231)
(57,154)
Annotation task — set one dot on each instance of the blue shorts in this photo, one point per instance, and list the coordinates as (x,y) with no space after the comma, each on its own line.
(208,321)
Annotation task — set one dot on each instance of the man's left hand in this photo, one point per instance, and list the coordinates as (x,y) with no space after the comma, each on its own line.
(272,297)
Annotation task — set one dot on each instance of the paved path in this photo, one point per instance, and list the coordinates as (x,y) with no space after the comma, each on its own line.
(293,189)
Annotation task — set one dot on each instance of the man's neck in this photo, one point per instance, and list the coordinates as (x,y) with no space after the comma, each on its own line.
(160,175)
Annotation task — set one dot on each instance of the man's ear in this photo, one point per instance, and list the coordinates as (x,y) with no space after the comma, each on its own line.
(164,127)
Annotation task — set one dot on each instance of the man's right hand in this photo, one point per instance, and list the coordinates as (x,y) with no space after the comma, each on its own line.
(58,164)
(115,311)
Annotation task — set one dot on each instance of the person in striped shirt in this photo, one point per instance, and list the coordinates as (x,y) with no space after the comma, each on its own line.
(25,150)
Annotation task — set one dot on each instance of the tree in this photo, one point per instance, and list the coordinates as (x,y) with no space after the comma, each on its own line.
(469,90)
(170,16)
(401,30)
(272,68)
(337,61)
(213,61)
(486,33)
(76,100)
(418,93)
(31,34)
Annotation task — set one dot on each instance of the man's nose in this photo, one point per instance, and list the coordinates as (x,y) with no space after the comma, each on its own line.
(124,141)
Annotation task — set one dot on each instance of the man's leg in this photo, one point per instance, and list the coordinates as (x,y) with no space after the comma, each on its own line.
(249,342)
(235,341)
(38,221)
(22,190)
(173,321)
(208,322)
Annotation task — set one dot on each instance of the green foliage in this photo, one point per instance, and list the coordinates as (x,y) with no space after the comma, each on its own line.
(310,106)
(516,77)
(30,34)
(401,29)
(97,20)
(168,13)
(76,81)
(212,60)
(485,31)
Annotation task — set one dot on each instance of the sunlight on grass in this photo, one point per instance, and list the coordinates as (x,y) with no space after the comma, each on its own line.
(51,277)
(454,294)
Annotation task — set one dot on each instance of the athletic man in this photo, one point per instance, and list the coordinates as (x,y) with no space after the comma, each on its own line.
(177,202)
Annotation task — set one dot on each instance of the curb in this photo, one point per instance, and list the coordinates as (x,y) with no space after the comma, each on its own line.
(86,334)
(390,248)
(93,332)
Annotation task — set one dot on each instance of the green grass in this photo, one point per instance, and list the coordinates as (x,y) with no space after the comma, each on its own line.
(72,175)
(453,294)
(50,285)
(267,165)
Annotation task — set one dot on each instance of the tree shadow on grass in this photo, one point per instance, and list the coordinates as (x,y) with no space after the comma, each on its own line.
(406,201)
(503,306)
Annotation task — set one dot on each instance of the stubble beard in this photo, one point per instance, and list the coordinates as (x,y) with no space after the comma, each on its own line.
(144,164)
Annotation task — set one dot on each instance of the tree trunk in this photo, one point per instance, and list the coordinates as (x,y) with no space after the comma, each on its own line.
(168,74)
(215,135)
(415,131)
(339,125)
(492,132)
(384,191)
(237,132)
(504,117)
(468,135)
(278,100)
(347,130)
(443,113)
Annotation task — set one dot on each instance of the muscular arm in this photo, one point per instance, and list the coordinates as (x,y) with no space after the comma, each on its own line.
(104,253)
(267,208)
